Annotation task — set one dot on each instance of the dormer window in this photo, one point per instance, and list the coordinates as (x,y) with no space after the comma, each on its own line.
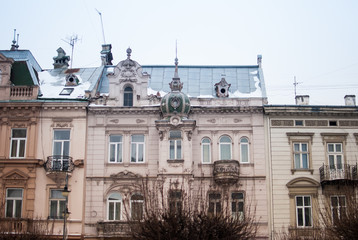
(72,80)
(128,97)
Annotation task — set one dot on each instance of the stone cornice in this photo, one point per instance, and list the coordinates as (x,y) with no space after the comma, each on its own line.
(346,111)
(226,109)
(110,110)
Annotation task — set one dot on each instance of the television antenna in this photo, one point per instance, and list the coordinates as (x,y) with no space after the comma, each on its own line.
(100,15)
(295,83)
(72,41)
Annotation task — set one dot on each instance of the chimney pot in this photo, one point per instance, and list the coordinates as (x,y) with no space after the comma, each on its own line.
(302,99)
(350,100)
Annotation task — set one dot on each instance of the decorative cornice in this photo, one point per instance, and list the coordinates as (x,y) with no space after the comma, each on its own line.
(311,111)
(226,109)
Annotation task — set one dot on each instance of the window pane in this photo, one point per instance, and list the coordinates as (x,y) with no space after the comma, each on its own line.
(140,152)
(339,162)
(175,134)
(134,152)
(334,201)
(118,210)
(137,138)
(119,152)
(307,217)
(66,148)
(57,147)
(206,153)
(299,217)
(297,161)
(296,147)
(225,139)
(244,153)
(18,206)
(62,209)
(338,148)
(14,193)
(53,209)
(115,196)
(225,153)
(56,194)
(22,148)
(9,208)
(304,161)
(218,207)
(171,149)
(331,162)
(115,138)
(62,135)
(13,148)
(299,201)
(233,206)
(304,147)
(206,140)
(19,133)
(112,152)
(330,148)
(307,201)
(244,140)
(110,211)
(178,149)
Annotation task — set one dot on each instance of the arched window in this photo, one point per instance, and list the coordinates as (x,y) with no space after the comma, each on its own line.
(244,150)
(225,148)
(137,201)
(114,203)
(206,150)
(128,97)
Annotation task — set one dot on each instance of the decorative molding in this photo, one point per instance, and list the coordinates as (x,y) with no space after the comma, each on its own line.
(114,120)
(211,120)
(139,121)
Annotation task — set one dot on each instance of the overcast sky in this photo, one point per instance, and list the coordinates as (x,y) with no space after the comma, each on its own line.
(314,40)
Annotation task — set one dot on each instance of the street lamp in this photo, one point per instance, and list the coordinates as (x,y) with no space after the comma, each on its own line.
(66,213)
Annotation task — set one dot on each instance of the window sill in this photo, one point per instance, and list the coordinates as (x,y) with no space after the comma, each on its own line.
(246,164)
(175,160)
(302,170)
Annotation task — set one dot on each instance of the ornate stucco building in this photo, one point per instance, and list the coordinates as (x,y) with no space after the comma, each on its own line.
(191,129)
(312,154)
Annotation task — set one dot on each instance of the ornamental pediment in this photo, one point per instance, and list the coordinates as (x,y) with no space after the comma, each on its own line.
(126,175)
(15,175)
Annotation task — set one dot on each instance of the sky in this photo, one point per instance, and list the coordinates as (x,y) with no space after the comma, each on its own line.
(312,41)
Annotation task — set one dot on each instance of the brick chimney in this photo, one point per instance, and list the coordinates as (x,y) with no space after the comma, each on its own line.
(61,60)
(350,100)
(302,100)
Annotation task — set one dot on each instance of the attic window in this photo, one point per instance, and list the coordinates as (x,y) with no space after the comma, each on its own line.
(66,91)
(332,123)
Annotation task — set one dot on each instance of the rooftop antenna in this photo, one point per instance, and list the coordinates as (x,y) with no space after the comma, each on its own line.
(100,15)
(72,41)
(176,59)
(15,44)
(295,83)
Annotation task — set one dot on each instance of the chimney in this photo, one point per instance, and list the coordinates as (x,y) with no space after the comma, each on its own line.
(106,54)
(61,60)
(259,60)
(302,100)
(350,100)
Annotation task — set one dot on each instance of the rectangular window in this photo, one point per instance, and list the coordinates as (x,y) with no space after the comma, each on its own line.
(115,149)
(303,211)
(137,206)
(137,151)
(214,204)
(335,156)
(18,143)
(13,208)
(175,147)
(57,204)
(61,149)
(175,201)
(206,150)
(300,155)
(338,207)
(237,205)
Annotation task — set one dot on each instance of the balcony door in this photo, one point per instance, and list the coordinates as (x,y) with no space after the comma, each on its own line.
(61,149)
(335,160)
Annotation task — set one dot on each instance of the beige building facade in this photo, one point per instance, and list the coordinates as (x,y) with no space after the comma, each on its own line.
(312,163)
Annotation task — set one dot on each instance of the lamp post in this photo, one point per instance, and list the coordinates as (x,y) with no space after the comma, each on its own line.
(65,193)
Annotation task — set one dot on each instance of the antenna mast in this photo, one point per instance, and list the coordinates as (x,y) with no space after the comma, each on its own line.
(295,83)
(73,40)
(100,15)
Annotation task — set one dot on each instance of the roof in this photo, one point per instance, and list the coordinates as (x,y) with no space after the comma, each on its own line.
(199,81)
(22,55)
(53,81)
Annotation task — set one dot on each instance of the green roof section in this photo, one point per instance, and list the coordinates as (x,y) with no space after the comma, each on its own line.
(20,74)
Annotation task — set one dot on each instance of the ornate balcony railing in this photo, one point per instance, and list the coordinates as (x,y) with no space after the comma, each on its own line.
(338,172)
(113,228)
(15,225)
(59,163)
(226,171)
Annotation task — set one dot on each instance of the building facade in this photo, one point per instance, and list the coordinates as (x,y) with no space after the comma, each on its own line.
(180,129)
(312,163)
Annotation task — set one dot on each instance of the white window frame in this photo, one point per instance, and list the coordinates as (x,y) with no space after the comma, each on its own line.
(117,146)
(303,209)
(176,142)
(59,213)
(135,146)
(335,155)
(18,141)
(137,201)
(216,202)
(238,214)
(208,145)
(221,144)
(339,207)
(300,153)
(242,145)
(14,212)
(126,95)
(114,202)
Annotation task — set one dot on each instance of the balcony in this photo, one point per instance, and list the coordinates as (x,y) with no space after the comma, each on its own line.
(113,229)
(226,171)
(338,173)
(15,225)
(23,92)
(59,163)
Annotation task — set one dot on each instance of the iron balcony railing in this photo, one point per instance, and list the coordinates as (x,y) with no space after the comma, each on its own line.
(59,163)
(338,172)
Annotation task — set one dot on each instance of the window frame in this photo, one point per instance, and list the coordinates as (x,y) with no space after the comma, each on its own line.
(303,208)
(215,202)
(59,213)
(14,211)
(221,144)
(175,200)
(300,153)
(128,96)
(177,144)
(335,154)
(137,149)
(62,141)
(238,214)
(339,207)
(208,144)
(300,137)
(242,144)
(109,202)
(18,143)
(139,202)
(118,147)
